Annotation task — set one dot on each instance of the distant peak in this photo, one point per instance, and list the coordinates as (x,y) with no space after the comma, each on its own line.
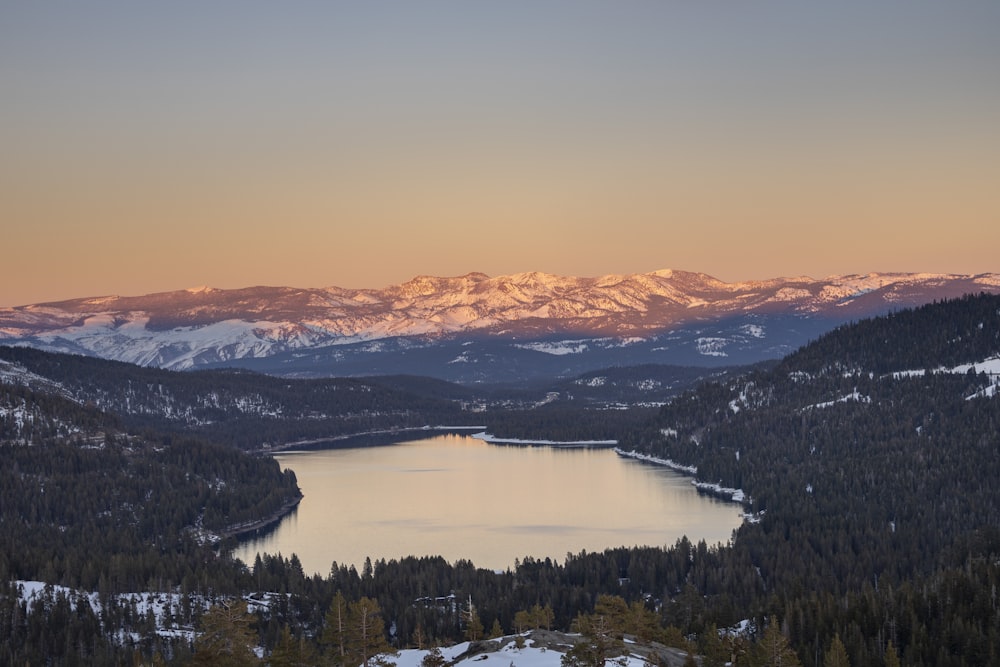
(203,289)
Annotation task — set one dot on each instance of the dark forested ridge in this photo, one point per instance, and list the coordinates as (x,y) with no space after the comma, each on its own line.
(239,408)
(869,460)
(253,411)
(872,479)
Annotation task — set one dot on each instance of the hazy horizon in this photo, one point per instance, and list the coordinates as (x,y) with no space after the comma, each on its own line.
(150,148)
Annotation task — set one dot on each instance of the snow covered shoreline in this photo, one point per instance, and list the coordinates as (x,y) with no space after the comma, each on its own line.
(724,492)
(673,465)
(493,440)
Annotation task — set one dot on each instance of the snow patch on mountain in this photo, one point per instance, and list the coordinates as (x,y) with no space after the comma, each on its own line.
(557,348)
(990,366)
(179,348)
(712,347)
(853,396)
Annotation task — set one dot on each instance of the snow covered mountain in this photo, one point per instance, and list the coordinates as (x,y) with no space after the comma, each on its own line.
(456,327)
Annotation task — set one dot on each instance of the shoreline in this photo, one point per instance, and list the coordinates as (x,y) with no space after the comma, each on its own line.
(237,531)
(317,443)
(493,440)
(737,496)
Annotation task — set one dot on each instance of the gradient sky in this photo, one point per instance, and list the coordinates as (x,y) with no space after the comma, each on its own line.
(156,146)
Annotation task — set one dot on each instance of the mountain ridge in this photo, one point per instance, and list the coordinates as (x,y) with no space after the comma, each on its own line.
(195,327)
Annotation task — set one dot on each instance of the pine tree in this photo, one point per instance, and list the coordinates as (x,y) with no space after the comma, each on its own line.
(522,621)
(226,637)
(292,652)
(597,645)
(891,657)
(773,650)
(473,625)
(366,633)
(714,651)
(837,655)
(542,617)
(334,636)
(419,639)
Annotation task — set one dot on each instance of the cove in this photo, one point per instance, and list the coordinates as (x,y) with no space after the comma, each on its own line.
(462,498)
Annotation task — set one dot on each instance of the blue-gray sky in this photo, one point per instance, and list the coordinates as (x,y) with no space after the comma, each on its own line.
(156,146)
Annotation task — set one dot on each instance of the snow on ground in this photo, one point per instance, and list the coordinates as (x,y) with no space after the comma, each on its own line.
(557,348)
(487,437)
(988,392)
(990,366)
(16,374)
(736,495)
(712,347)
(679,467)
(508,654)
(162,605)
(18,414)
(853,396)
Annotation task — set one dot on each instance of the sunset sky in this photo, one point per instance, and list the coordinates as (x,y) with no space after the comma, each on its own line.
(157,146)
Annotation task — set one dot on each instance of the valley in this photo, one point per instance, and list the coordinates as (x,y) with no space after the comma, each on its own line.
(866,461)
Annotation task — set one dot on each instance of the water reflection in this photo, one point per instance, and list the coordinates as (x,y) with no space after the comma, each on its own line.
(459,497)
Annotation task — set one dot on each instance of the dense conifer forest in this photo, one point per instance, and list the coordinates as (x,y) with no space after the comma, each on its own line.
(868,458)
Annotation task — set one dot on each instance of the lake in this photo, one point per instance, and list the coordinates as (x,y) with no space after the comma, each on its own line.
(462,498)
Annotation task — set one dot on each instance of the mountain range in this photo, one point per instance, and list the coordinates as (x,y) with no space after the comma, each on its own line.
(475,328)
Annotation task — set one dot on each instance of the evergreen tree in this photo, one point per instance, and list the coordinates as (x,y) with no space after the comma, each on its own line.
(891,657)
(714,651)
(597,645)
(773,650)
(226,637)
(366,640)
(335,631)
(473,625)
(292,651)
(837,655)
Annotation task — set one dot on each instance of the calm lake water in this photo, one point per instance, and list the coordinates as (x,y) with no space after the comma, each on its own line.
(459,497)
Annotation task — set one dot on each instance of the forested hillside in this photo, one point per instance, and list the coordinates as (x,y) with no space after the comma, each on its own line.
(85,504)
(870,458)
(239,408)
(259,412)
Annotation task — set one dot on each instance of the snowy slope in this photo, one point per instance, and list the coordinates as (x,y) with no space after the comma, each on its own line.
(556,315)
